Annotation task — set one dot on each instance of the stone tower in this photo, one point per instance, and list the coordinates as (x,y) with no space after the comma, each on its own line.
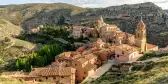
(140,37)
(100,22)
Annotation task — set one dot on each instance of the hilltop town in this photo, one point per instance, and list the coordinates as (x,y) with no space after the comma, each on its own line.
(109,46)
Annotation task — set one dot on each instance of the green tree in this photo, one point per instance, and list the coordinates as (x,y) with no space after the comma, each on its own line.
(61,21)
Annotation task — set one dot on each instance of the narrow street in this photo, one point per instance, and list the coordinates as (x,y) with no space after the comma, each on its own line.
(100,71)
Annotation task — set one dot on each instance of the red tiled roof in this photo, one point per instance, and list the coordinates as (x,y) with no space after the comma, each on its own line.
(82,60)
(150,46)
(56,71)
(127,48)
(90,56)
(89,66)
(81,49)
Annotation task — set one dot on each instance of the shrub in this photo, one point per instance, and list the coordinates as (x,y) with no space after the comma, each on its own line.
(40,58)
(7,39)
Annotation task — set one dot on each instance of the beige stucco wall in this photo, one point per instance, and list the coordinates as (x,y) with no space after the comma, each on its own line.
(93,61)
(131,40)
(91,72)
(77,32)
(64,79)
(122,56)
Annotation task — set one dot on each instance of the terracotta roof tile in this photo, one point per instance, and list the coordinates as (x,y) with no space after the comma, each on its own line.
(127,48)
(56,71)
(82,60)
(76,56)
(150,46)
(89,66)
(90,56)
(81,49)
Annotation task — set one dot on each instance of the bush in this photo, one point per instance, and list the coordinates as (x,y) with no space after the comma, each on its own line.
(7,39)
(151,55)
(40,58)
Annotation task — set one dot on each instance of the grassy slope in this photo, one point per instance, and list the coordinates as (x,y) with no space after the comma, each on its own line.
(5,80)
(8,29)
(154,73)
(16,48)
(19,49)
(24,44)
(10,81)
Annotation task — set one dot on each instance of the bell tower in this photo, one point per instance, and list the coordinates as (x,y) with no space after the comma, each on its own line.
(140,37)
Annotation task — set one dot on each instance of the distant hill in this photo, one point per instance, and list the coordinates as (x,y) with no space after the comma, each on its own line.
(166,11)
(125,16)
(18,14)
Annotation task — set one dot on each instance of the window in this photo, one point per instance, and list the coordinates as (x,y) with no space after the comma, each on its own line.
(46,77)
(54,78)
(62,77)
(122,52)
(84,72)
(40,80)
(83,77)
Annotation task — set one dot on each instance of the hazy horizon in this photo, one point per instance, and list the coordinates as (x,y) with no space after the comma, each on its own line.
(90,3)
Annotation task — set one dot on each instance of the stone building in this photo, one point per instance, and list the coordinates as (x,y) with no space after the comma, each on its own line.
(126,53)
(77,31)
(85,65)
(63,75)
(140,36)
(112,34)
(82,31)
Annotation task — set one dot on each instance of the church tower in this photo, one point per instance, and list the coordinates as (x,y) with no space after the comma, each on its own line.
(100,22)
(140,37)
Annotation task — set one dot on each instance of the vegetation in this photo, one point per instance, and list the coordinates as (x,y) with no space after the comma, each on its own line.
(4,80)
(11,80)
(3,22)
(11,49)
(151,55)
(155,72)
(56,32)
(41,58)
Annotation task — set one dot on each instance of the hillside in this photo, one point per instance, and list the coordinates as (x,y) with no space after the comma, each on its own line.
(166,11)
(12,49)
(125,16)
(155,72)
(37,13)
(8,29)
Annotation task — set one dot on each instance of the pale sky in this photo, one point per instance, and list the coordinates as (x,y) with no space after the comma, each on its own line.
(89,3)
